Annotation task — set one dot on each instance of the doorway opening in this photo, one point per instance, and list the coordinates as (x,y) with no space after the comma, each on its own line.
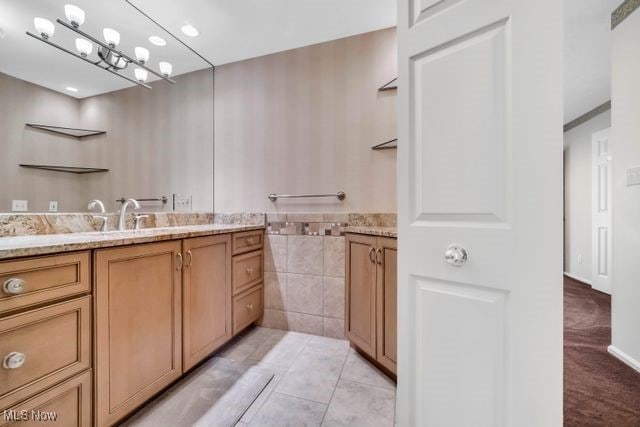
(601,385)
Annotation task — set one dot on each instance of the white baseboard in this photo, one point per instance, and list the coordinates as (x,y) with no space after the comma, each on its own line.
(623,357)
(578,278)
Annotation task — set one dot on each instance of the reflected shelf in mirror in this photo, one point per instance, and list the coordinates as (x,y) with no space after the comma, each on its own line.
(74,132)
(67,169)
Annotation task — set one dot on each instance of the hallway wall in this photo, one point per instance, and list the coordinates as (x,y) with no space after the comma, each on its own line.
(625,135)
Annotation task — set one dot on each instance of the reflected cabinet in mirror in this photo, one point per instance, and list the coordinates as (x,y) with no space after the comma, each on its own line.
(91,108)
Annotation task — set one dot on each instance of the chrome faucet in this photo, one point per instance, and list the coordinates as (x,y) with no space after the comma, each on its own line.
(123,212)
(98,204)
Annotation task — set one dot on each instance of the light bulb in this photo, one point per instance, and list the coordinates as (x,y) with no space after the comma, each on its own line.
(141,74)
(165,68)
(142,54)
(84,46)
(75,15)
(44,27)
(111,36)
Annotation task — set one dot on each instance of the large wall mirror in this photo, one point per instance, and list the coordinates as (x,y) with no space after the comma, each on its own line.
(75,129)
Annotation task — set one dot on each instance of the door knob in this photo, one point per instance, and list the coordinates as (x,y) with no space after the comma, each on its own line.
(456,255)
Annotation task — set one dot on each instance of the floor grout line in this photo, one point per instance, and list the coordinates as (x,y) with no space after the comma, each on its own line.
(336,386)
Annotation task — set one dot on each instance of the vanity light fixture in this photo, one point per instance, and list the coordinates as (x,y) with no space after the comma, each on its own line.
(165,68)
(44,27)
(71,89)
(158,41)
(111,36)
(84,46)
(142,54)
(74,14)
(189,30)
(111,59)
(141,74)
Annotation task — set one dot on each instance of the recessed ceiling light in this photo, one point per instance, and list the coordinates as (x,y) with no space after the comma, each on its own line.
(190,30)
(71,89)
(158,41)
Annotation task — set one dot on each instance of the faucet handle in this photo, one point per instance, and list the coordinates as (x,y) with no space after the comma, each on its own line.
(137,220)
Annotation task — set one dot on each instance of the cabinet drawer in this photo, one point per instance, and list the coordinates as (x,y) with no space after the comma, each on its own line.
(247,241)
(247,271)
(47,344)
(37,280)
(67,404)
(247,308)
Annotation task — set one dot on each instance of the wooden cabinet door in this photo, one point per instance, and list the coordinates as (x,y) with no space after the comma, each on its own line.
(360,302)
(138,324)
(386,307)
(206,309)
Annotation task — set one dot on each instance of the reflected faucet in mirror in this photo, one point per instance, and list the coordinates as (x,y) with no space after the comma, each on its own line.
(99,205)
(123,212)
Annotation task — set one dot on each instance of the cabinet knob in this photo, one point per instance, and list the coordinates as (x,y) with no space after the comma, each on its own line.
(180,261)
(249,270)
(250,307)
(13,286)
(249,241)
(13,360)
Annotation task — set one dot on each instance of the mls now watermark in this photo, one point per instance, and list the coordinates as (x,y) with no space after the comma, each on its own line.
(25,415)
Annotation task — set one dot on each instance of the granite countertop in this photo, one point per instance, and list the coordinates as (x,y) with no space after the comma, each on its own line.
(372,230)
(20,246)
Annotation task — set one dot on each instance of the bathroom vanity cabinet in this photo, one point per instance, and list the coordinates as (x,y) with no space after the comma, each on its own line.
(93,335)
(370,300)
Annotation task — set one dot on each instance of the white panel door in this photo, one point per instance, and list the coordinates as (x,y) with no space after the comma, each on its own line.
(480,166)
(601,211)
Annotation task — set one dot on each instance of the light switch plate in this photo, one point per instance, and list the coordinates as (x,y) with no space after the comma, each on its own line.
(19,205)
(633,176)
(181,203)
(53,206)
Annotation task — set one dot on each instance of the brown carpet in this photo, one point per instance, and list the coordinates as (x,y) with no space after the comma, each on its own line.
(599,390)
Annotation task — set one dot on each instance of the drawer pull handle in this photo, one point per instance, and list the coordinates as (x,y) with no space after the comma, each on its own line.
(250,242)
(250,307)
(13,286)
(13,360)
(249,270)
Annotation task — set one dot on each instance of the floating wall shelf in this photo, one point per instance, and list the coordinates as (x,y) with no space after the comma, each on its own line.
(76,133)
(68,169)
(389,145)
(393,84)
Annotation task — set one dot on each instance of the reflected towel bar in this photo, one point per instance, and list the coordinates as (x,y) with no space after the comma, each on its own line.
(162,199)
(340,195)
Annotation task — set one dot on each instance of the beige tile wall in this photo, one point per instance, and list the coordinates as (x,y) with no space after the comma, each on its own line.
(304,279)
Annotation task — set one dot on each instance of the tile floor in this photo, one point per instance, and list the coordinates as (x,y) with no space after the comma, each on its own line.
(318,381)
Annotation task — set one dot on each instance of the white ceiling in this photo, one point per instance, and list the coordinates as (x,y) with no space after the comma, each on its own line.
(587,52)
(233,30)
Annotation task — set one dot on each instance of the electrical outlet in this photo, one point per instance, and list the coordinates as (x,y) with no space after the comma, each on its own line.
(181,203)
(19,205)
(580,259)
(53,206)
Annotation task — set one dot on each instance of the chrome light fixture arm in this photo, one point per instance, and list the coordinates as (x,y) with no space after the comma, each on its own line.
(113,49)
(97,63)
